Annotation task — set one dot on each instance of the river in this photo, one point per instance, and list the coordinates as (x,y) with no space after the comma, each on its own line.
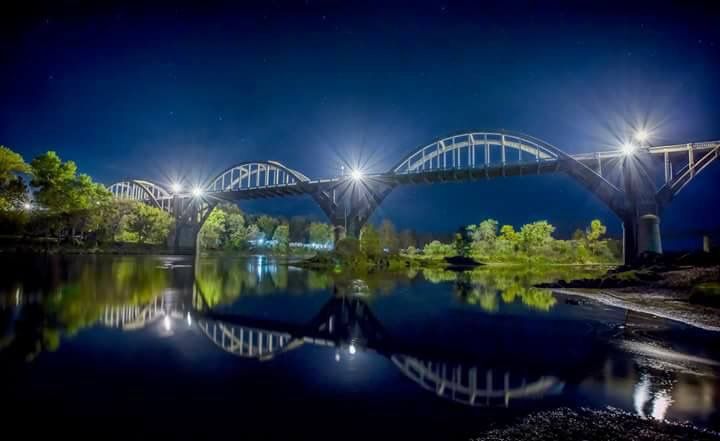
(263,349)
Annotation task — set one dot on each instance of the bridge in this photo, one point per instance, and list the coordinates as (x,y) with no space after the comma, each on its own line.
(636,183)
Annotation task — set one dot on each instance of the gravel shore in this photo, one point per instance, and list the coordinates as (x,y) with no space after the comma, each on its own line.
(595,425)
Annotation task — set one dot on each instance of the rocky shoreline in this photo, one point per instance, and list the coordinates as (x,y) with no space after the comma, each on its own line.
(589,424)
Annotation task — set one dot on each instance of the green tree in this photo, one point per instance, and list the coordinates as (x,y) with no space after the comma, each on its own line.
(149,224)
(282,236)
(53,180)
(320,232)
(12,186)
(113,218)
(236,233)
(267,225)
(508,234)
(485,231)
(596,230)
(254,233)
(59,188)
(213,230)
(370,241)
(536,235)
(438,249)
(462,241)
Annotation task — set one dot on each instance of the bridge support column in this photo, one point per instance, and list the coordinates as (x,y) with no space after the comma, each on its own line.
(641,234)
(649,239)
(184,237)
(186,232)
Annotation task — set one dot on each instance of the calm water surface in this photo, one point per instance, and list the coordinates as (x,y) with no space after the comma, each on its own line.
(253,348)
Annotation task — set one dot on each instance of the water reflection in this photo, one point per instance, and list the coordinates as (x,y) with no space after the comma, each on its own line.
(492,359)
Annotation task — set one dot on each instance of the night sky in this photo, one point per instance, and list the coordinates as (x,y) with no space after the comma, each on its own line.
(172,91)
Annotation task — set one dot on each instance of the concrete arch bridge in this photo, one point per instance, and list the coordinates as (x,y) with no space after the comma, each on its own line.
(624,180)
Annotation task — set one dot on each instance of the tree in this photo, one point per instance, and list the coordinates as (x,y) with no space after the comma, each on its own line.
(486,231)
(535,235)
(320,233)
(150,224)
(461,242)
(53,180)
(235,230)
(12,186)
(267,225)
(213,230)
(370,241)
(438,249)
(58,188)
(508,234)
(113,218)
(282,236)
(254,233)
(388,236)
(596,230)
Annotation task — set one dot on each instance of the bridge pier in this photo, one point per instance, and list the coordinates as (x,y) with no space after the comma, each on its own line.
(641,234)
(185,234)
(184,237)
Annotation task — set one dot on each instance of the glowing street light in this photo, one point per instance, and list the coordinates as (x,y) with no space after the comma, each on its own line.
(176,187)
(352,349)
(642,135)
(628,148)
(356,175)
(27,206)
(197,192)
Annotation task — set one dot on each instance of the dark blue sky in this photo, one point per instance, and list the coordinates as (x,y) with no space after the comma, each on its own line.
(169,90)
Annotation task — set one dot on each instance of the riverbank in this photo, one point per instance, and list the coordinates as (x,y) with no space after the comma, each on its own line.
(589,424)
(688,294)
(669,305)
(70,249)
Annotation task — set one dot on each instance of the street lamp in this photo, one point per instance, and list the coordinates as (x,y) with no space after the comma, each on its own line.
(197,192)
(27,206)
(176,187)
(642,135)
(628,148)
(356,175)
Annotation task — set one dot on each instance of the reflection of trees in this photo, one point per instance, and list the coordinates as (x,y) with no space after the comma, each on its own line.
(69,307)
(224,280)
(488,286)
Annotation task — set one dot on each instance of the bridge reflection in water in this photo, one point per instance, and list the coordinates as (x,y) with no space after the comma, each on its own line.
(346,323)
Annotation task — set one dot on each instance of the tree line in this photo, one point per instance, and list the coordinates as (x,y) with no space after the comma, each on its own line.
(48,198)
(487,241)
(229,228)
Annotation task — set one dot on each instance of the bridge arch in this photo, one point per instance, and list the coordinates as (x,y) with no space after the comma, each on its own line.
(142,190)
(255,175)
(477,149)
(493,153)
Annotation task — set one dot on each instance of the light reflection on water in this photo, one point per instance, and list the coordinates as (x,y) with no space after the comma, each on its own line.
(482,339)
